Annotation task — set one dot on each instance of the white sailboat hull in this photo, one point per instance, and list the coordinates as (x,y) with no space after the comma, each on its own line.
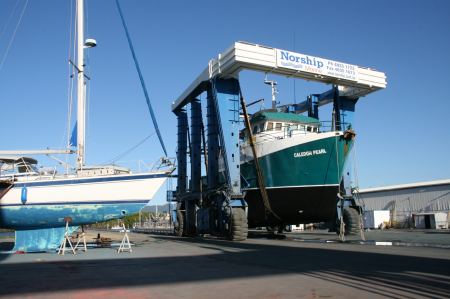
(47,203)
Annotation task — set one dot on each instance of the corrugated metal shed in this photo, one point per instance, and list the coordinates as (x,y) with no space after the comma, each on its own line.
(405,200)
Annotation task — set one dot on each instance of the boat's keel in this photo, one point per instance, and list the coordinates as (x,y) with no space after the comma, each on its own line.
(294,205)
(38,240)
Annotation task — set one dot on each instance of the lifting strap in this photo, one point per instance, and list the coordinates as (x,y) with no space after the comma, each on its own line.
(259,173)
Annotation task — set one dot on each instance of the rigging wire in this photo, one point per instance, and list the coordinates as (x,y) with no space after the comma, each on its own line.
(295,81)
(356,177)
(71,75)
(86,13)
(88,74)
(87,91)
(70,78)
(337,163)
(355,165)
(120,156)
(9,19)
(138,69)
(13,35)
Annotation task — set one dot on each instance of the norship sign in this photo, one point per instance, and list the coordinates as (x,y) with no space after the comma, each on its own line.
(316,65)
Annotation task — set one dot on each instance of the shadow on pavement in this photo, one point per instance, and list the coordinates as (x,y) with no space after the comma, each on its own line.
(391,276)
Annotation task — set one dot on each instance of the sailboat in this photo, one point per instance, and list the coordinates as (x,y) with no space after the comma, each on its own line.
(32,199)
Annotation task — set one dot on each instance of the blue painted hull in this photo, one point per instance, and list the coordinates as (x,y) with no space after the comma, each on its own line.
(52,215)
(45,203)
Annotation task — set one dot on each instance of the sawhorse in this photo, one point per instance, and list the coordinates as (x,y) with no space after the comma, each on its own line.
(62,247)
(125,245)
(81,238)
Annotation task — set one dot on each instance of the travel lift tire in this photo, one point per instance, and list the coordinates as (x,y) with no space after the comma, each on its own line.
(179,225)
(352,222)
(239,225)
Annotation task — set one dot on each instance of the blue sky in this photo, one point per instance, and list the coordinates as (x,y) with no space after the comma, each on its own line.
(403,131)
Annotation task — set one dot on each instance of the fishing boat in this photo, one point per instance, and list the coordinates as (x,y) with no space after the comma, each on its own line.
(302,161)
(33,198)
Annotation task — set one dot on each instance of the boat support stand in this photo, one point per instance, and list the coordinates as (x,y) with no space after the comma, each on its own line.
(62,247)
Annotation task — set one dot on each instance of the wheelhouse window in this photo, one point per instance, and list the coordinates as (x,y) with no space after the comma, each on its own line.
(269,126)
(292,127)
(278,126)
(255,130)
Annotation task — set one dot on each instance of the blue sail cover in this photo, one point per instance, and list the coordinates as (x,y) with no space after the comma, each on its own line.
(73,138)
(39,240)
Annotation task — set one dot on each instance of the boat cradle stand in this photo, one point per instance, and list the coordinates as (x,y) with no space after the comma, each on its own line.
(81,238)
(125,245)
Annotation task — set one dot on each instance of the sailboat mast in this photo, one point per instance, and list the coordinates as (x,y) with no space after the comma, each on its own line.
(81,93)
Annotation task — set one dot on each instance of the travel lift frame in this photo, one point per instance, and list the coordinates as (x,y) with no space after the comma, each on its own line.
(217,206)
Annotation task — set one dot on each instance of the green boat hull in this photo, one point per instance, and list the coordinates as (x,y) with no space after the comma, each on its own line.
(302,182)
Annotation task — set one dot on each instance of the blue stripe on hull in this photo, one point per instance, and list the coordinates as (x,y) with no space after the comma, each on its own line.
(56,203)
(90,180)
(52,216)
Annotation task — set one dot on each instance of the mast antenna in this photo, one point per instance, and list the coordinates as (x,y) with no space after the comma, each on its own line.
(273,85)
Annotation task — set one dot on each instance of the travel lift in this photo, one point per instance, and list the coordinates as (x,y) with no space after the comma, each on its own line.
(214,204)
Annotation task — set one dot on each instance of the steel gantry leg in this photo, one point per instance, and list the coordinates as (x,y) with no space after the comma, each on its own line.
(224,159)
(213,142)
(179,216)
(223,112)
(196,172)
(220,209)
(182,150)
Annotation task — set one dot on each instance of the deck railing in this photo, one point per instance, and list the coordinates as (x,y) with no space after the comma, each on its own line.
(288,132)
